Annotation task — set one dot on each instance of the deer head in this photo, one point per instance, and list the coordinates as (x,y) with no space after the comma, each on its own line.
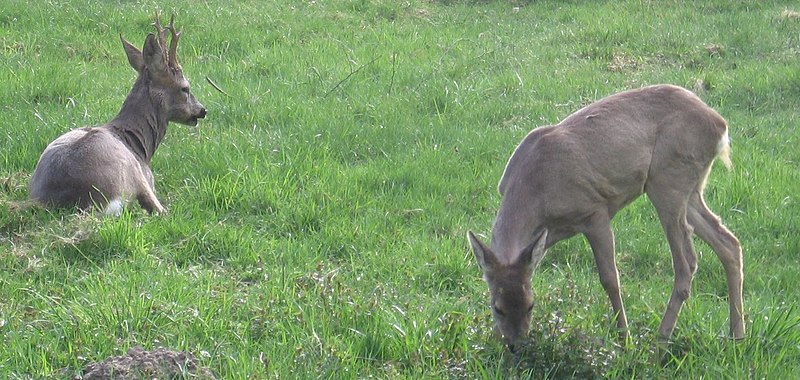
(160,72)
(510,286)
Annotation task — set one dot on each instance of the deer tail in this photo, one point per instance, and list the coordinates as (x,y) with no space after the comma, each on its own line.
(724,150)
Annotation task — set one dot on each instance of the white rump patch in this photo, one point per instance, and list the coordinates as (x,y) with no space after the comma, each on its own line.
(114,208)
(724,150)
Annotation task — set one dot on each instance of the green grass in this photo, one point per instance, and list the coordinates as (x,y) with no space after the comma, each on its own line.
(317,217)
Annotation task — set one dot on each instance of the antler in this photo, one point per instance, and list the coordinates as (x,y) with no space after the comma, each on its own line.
(173,43)
(172,55)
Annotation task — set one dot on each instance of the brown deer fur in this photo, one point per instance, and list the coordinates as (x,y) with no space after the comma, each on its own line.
(573,178)
(109,165)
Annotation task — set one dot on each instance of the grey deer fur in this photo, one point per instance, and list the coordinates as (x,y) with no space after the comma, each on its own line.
(109,165)
(573,178)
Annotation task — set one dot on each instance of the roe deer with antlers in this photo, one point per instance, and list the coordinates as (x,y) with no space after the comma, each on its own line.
(573,178)
(109,165)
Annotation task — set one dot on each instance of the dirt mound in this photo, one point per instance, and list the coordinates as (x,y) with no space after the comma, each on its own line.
(160,363)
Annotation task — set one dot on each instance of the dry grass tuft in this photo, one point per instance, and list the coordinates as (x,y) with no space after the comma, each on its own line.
(789,14)
(621,63)
(715,50)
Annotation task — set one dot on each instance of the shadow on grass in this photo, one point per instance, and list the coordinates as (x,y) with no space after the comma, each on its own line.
(74,237)
(555,351)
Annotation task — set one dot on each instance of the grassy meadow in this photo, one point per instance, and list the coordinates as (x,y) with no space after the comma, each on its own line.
(317,217)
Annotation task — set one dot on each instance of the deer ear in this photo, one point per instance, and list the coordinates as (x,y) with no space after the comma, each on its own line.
(134,55)
(153,54)
(485,256)
(533,254)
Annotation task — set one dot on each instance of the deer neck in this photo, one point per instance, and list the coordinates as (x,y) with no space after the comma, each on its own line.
(141,123)
(509,236)
(515,227)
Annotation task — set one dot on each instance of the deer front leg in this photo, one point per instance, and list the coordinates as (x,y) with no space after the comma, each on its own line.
(147,199)
(146,192)
(149,202)
(601,239)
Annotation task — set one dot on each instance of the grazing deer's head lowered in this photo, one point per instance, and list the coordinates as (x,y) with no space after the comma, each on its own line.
(575,176)
(109,165)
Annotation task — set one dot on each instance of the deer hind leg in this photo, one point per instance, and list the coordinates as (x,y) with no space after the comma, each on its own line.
(601,239)
(671,206)
(708,227)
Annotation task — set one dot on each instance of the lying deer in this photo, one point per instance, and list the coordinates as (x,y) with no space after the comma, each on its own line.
(573,178)
(109,165)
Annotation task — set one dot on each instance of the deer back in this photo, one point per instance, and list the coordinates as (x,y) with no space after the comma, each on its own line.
(600,158)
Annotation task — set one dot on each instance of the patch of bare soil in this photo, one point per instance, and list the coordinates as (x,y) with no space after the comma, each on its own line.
(160,363)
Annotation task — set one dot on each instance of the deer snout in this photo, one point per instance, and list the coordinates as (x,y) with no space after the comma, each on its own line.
(199,113)
(202,113)
(513,344)
(513,334)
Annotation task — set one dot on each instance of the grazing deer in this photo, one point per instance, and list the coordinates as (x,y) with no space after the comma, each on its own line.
(573,178)
(109,165)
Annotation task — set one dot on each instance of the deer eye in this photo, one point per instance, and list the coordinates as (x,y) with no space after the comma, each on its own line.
(530,309)
(499,311)
(185,90)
